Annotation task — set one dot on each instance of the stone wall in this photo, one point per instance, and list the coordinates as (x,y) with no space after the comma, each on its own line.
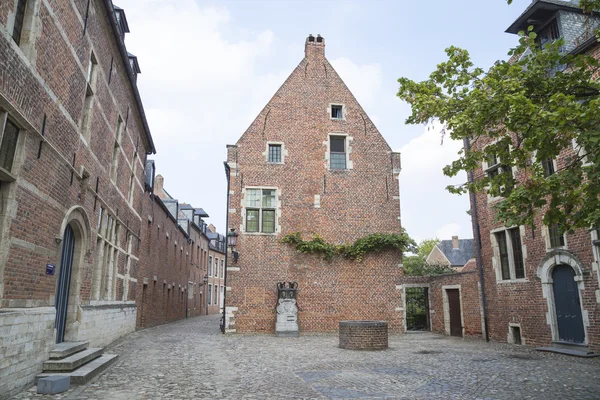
(102,324)
(26,338)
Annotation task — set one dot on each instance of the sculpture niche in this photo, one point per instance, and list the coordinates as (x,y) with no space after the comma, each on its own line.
(287,309)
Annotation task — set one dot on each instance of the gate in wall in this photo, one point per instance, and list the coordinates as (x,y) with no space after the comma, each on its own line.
(417,308)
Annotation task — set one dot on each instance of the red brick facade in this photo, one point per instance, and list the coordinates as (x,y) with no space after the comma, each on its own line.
(470,300)
(66,84)
(529,303)
(309,196)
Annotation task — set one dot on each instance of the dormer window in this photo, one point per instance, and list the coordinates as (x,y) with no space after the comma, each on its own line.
(549,33)
(121,21)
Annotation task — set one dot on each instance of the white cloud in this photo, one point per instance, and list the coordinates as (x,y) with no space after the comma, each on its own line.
(448,230)
(364,81)
(201,89)
(428,210)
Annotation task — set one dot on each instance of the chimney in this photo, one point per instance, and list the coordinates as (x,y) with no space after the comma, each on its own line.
(455,242)
(314,47)
(159,182)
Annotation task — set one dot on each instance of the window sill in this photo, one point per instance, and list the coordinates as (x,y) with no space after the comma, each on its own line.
(260,234)
(6,176)
(275,163)
(494,199)
(507,281)
(338,119)
(549,249)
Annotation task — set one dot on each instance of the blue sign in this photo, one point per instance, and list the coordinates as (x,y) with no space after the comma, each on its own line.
(50,269)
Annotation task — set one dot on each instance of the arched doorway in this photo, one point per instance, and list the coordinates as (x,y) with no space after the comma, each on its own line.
(567,304)
(74,245)
(64,283)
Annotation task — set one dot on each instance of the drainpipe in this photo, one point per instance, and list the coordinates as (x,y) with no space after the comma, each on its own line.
(227,174)
(477,246)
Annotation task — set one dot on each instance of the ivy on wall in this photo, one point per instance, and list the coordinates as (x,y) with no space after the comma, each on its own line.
(373,243)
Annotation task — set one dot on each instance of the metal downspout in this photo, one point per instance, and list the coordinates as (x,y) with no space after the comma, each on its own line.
(227,173)
(477,238)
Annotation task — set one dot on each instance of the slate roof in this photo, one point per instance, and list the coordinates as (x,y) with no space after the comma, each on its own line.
(543,9)
(460,256)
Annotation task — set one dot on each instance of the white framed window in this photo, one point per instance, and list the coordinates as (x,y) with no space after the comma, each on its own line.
(337,111)
(596,243)
(216,270)
(210,265)
(222,296)
(554,237)
(222,268)
(261,206)
(89,97)
(216,294)
(209,297)
(9,138)
(494,167)
(509,253)
(581,153)
(549,167)
(275,152)
(338,152)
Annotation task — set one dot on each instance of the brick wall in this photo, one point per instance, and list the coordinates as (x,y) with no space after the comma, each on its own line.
(43,86)
(528,303)
(171,268)
(363,335)
(470,299)
(339,205)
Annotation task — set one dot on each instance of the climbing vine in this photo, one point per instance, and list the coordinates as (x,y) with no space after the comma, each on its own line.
(373,243)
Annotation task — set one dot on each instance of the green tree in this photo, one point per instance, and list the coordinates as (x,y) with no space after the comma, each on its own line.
(531,108)
(415,264)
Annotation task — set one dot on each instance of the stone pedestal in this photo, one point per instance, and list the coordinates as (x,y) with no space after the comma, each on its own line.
(287,310)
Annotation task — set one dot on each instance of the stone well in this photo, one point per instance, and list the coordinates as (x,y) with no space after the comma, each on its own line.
(363,335)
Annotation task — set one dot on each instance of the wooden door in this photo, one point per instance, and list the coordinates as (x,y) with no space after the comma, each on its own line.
(568,305)
(454,311)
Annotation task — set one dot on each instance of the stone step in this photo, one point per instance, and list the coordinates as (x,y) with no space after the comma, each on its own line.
(571,345)
(86,372)
(65,349)
(73,361)
(585,353)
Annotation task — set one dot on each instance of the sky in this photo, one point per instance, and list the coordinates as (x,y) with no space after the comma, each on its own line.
(209,67)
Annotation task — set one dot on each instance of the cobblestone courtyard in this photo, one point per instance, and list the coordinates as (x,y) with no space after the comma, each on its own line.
(190,359)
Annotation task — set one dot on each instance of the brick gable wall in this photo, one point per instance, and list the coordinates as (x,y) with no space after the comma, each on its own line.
(351,204)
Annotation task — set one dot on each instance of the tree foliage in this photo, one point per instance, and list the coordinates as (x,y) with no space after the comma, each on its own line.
(415,265)
(531,108)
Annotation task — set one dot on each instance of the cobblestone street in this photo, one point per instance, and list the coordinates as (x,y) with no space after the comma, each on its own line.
(190,359)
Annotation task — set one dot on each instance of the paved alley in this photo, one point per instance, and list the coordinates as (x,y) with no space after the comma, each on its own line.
(190,359)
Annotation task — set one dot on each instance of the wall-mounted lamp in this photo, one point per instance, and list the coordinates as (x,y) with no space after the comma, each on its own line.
(231,242)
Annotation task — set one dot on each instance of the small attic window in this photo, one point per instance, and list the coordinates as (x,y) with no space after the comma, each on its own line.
(337,112)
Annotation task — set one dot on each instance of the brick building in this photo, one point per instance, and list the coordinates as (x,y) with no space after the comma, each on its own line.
(312,162)
(215,293)
(174,259)
(541,286)
(73,142)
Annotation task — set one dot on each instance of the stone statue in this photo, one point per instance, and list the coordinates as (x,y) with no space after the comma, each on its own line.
(287,309)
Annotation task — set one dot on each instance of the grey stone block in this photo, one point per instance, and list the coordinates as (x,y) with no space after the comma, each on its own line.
(53,384)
